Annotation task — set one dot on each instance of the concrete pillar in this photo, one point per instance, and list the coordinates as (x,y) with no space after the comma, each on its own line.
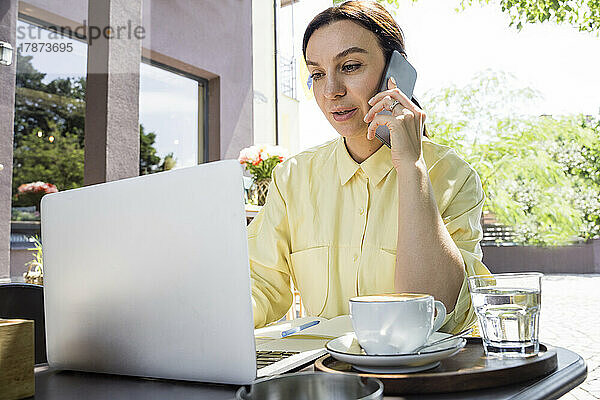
(8,33)
(112,101)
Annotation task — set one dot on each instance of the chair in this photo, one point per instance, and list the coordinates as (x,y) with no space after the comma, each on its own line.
(26,301)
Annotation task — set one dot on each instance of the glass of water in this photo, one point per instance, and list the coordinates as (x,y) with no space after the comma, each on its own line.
(508,310)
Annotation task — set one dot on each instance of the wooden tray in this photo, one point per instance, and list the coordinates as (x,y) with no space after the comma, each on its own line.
(469,369)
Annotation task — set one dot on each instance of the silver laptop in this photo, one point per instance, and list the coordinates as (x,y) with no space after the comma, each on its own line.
(149,276)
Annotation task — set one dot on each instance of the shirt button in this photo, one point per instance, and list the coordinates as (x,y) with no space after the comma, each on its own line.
(355,258)
(361,211)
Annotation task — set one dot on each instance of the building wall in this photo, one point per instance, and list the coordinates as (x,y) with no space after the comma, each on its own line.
(263,62)
(289,135)
(60,12)
(288,120)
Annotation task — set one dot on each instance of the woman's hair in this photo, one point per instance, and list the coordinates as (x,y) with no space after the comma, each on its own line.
(371,16)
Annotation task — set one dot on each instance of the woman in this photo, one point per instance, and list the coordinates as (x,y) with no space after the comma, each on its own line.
(352,217)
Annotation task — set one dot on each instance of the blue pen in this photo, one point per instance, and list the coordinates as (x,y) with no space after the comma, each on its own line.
(298,328)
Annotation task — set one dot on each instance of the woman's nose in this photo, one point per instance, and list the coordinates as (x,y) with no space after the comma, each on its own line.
(334,87)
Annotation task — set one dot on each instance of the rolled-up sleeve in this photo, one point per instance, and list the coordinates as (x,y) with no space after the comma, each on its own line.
(462,218)
(269,250)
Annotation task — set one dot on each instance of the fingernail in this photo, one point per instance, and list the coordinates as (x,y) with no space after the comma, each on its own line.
(370,100)
(365,118)
(393,80)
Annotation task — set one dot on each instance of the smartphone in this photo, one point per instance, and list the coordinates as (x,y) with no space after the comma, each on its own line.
(405,76)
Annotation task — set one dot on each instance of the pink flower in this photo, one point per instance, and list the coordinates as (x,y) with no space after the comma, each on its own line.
(249,154)
(260,160)
(37,187)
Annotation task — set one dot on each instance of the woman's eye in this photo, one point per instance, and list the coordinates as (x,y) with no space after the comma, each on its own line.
(351,67)
(348,68)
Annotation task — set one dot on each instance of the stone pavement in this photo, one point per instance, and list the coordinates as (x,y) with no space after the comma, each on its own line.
(570,318)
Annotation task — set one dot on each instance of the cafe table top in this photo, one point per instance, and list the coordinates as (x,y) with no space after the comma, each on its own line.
(51,384)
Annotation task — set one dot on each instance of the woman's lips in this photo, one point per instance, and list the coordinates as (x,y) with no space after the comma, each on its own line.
(344,117)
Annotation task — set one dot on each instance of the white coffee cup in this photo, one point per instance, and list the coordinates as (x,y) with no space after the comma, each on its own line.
(395,323)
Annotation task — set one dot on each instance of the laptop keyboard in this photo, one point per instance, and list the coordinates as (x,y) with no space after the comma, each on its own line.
(264,358)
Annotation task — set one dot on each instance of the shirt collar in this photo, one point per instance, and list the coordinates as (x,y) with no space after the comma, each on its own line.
(376,167)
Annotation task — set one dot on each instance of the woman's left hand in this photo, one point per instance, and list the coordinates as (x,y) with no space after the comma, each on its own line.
(405,124)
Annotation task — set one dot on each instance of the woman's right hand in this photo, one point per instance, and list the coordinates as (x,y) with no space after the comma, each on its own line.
(406,124)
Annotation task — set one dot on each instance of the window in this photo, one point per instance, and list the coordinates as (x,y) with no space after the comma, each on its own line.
(49,116)
(288,76)
(172,118)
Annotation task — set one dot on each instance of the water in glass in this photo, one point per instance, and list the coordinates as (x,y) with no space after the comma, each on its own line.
(509,319)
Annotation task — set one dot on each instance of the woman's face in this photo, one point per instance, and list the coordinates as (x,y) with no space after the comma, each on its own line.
(346,64)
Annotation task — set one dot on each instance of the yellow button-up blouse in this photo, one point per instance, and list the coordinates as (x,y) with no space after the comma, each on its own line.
(331,225)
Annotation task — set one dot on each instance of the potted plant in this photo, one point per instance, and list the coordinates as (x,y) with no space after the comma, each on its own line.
(35,267)
(31,194)
(260,162)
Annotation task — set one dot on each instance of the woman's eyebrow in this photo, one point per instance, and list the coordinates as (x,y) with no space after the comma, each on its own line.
(344,53)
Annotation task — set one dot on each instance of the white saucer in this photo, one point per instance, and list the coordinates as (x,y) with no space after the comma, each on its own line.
(347,349)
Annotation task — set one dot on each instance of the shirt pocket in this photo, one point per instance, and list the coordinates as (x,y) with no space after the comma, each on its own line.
(386,273)
(311,271)
(377,275)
